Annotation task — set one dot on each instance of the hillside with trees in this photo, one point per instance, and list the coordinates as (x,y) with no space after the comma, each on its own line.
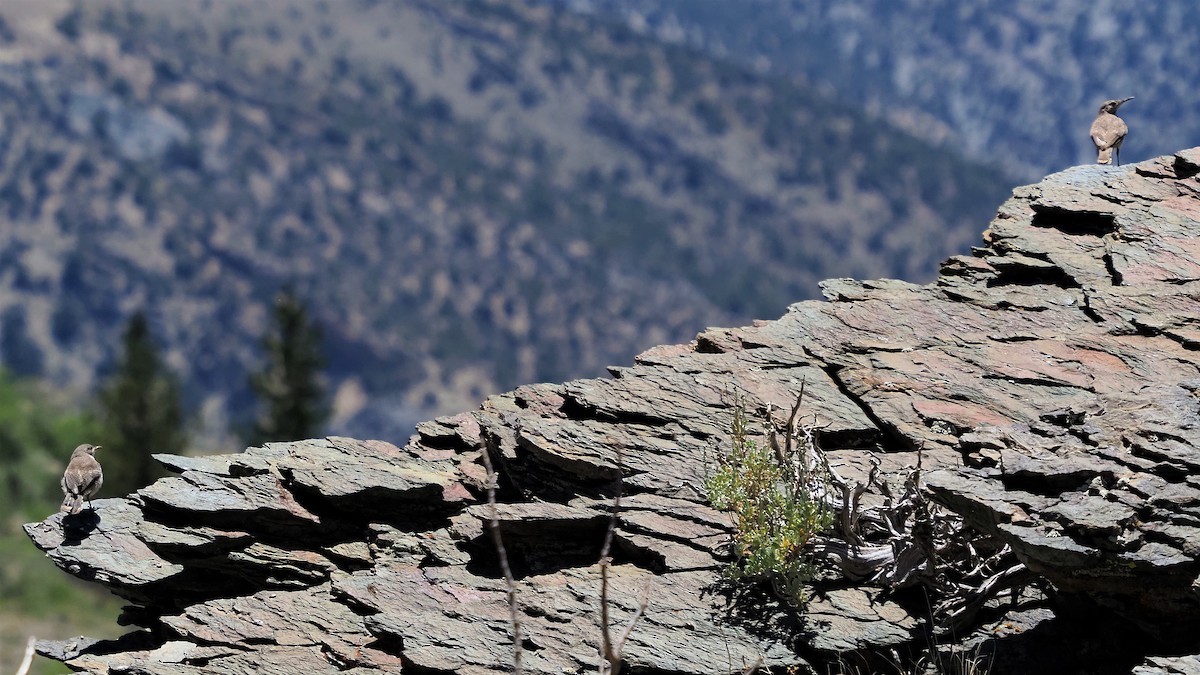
(470,195)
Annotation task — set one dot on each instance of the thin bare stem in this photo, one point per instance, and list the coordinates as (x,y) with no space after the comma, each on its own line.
(610,661)
(791,423)
(494,526)
(612,522)
(28,660)
(643,601)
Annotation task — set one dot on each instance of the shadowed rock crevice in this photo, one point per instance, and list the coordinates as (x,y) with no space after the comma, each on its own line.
(574,408)
(1112,270)
(1046,384)
(1185,166)
(539,538)
(1085,223)
(1029,270)
(884,433)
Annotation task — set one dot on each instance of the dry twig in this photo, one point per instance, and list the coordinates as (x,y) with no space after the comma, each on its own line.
(907,540)
(610,651)
(494,525)
(28,660)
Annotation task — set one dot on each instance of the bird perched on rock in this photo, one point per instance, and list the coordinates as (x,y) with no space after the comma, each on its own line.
(1108,132)
(82,478)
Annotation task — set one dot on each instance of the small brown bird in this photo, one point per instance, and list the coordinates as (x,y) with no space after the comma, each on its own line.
(82,478)
(1108,132)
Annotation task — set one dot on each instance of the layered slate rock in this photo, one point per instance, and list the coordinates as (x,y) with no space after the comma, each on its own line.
(1047,383)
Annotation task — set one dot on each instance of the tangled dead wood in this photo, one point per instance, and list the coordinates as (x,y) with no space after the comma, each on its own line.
(905,538)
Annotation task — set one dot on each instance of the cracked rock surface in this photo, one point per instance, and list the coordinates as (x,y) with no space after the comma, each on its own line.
(1049,382)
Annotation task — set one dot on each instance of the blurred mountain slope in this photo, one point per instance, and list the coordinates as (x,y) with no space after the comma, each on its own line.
(1013,84)
(470,195)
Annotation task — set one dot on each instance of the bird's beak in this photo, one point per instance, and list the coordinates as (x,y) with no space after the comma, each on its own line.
(97,448)
(1124,100)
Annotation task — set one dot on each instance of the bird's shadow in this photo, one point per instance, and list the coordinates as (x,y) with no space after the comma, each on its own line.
(79,526)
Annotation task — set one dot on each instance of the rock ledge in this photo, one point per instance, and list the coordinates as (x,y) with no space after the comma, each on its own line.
(1049,382)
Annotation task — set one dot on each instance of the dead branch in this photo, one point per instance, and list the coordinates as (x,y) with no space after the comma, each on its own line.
(643,601)
(494,525)
(28,660)
(849,514)
(908,539)
(610,662)
(610,651)
(791,423)
(856,562)
(960,611)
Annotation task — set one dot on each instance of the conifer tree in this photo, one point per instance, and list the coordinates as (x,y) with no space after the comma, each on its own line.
(141,412)
(291,397)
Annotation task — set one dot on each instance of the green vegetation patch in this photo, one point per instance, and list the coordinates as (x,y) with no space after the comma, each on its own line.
(768,490)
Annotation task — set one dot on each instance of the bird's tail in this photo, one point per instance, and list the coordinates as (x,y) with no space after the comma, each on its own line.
(72,503)
(1104,156)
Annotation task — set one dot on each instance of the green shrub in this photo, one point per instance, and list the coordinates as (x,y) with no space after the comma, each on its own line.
(767,490)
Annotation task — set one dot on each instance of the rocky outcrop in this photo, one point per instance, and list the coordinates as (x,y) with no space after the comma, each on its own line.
(1047,384)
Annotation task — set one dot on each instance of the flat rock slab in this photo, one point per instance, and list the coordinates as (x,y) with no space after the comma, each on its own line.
(451,620)
(102,545)
(224,499)
(308,618)
(375,474)
(855,620)
(1164,665)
